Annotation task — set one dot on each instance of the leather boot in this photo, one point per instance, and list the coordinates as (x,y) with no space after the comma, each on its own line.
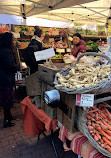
(7,123)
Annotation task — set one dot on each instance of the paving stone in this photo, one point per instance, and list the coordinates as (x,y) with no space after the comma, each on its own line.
(15,144)
(7,138)
(1,150)
(2,144)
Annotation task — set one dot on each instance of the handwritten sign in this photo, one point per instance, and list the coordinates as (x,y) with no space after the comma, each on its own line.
(51,40)
(85,100)
(44,54)
(60,50)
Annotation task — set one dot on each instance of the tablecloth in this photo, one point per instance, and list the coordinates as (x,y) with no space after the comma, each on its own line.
(80,144)
(33,118)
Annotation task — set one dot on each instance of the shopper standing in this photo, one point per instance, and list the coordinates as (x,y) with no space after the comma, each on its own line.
(35,45)
(8,68)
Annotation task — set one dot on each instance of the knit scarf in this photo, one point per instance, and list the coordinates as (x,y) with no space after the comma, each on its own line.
(37,38)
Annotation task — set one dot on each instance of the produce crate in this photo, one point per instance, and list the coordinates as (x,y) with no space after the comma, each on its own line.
(33,85)
(51,112)
(67,115)
(55,33)
(57,60)
(23,45)
(47,74)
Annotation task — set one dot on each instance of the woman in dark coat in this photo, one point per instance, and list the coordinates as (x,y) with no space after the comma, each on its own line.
(8,68)
(34,45)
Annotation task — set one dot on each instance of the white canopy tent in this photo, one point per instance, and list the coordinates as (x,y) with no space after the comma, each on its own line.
(11,19)
(33,7)
(78,11)
(95,12)
(31,21)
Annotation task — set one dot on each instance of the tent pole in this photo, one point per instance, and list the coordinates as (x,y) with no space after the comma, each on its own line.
(22,8)
(24,22)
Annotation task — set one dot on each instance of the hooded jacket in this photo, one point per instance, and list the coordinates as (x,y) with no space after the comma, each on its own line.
(79,48)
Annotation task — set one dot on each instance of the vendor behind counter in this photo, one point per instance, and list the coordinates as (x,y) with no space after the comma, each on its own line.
(34,45)
(79,45)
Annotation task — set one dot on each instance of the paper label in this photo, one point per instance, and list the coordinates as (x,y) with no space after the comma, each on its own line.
(85,100)
(60,50)
(51,39)
(44,54)
(68,50)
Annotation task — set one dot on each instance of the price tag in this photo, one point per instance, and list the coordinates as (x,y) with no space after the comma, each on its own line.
(51,39)
(60,50)
(85,100)
(68,50)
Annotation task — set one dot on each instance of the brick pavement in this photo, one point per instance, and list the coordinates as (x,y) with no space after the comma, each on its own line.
(14,143)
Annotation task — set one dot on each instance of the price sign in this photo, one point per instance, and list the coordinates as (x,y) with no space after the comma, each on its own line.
(44,54)
(85,100)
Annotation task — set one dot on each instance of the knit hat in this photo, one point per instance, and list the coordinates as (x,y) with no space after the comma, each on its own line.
(37,31)
(78,35)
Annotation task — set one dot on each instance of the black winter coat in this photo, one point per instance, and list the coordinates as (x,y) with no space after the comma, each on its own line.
(8,67)
(29,57)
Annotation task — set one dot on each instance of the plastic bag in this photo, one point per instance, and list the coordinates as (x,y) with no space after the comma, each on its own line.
(69,58)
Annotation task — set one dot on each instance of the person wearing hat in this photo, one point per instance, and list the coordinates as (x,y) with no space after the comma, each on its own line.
(79,45)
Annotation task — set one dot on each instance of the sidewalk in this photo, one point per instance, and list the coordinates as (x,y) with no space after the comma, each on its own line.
(14,143)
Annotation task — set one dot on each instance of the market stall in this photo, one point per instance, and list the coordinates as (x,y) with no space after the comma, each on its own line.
(56,38)
(92,79)
(71,80)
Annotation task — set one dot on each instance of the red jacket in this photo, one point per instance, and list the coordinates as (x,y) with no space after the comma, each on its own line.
(79,48)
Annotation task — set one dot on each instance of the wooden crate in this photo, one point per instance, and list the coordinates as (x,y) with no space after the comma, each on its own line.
(48,74)
(23,45)
(67,119)
(51,112)
(33,85)
(57,60)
